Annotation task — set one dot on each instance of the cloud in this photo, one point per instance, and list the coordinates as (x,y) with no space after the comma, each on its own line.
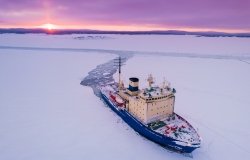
(231,14)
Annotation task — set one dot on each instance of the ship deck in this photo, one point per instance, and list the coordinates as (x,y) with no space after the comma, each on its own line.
(177,128)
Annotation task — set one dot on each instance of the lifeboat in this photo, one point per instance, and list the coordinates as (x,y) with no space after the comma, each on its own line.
(117,99)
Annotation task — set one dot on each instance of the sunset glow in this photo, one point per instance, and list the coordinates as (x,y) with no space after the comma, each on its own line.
(49,26)
(127,15)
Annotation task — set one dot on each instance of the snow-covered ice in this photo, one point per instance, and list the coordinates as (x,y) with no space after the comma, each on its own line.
(212,94)
(149,43)
(46,114)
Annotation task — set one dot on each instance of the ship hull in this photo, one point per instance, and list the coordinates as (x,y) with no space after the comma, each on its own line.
(143,130)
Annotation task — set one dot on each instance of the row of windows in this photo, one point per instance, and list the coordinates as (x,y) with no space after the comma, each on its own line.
(149,99)
(136,109)
(138,115)
(157,113)
(139,106)
(159,108)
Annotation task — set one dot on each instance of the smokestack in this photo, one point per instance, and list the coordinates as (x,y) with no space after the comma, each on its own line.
(133,87)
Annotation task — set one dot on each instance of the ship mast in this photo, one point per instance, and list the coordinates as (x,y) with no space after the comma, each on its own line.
(119,62)
(119,71)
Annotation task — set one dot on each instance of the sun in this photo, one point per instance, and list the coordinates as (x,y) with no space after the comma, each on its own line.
(49,26)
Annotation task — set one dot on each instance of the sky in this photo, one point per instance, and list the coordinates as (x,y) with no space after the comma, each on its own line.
(190,15)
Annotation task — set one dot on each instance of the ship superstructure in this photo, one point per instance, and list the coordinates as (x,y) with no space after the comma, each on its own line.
(148,104)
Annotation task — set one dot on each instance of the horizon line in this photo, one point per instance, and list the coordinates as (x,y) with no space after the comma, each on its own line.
(130,31)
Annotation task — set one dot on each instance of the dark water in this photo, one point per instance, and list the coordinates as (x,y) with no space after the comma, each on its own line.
(103,73)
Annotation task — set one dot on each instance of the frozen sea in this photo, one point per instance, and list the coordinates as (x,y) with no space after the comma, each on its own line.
(45,114)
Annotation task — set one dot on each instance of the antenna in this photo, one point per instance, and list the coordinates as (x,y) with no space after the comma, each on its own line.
(118,63)
(150,80)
